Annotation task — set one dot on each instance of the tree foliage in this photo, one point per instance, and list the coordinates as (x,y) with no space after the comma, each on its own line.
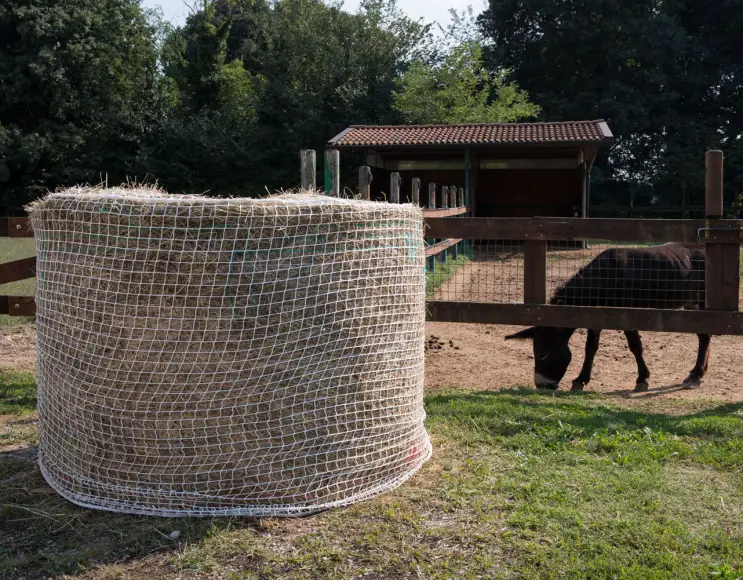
(667,76)
(78,92)
(460,90)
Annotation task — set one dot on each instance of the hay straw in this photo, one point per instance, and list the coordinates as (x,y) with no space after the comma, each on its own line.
(203,356)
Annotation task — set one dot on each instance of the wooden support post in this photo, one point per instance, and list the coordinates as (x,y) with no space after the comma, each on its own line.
(333,172)
(461,197)
(395,187)
(453,196)
(431,205)
(308,160)
(535,272)
(444,205)
(722,264)
(416,191)
(365,180)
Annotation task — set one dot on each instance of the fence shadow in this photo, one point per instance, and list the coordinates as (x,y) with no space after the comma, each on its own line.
(44,535)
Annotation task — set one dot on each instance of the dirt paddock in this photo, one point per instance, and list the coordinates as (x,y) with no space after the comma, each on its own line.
(479,358)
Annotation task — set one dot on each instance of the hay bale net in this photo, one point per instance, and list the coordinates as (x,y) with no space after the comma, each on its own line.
(205,356)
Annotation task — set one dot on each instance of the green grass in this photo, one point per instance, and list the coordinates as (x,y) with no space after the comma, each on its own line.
(14,249)
(443,272)
(522,485)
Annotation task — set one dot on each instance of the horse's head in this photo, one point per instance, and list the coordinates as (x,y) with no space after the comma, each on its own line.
(552,354)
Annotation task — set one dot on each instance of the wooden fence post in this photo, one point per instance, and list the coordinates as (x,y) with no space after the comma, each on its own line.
(722,263)
(453,196)
(431,205)
(461,197)
(444,205)
(308,160)
(535,272)
(395,187)
(416,191)
(365,179)
(333,172)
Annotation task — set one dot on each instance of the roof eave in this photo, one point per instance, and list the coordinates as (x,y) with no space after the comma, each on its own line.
(604,143)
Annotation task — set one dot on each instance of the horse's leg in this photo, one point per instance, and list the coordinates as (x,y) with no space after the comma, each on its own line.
(592,346)
(635,347)
(700,368)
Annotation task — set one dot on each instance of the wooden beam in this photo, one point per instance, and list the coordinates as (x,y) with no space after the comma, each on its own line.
(687,321)
(18,305)
(444,164)
(571,229)
(565,163)
(15,227)
(415,189)
(722,264)
(308,163)
(332,172)
(365,180)
(535,272)
(395,187)
(17,270)
(374,159)
(444,212)
(442,246)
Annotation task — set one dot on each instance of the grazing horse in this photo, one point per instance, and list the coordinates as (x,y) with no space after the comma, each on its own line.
(669,277)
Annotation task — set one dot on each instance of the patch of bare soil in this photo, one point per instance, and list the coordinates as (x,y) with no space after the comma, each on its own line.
(18,348)
(476,356)
(480,358)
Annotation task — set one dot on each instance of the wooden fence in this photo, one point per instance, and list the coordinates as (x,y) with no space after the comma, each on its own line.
(722,239)
(448,226)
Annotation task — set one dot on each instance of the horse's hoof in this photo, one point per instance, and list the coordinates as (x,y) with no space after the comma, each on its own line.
(578,386)
(548,387)
(642,388)
(692,383)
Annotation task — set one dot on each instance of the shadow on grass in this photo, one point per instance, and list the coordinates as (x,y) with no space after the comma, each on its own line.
(43,535)
(531,421)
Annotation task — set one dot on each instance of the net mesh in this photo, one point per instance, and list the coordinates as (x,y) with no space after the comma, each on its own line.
(228,357)
(611,274)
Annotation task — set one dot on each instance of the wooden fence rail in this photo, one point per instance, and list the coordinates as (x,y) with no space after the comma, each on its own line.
(721,238)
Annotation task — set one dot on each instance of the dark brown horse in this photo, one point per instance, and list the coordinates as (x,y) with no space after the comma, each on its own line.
(668,277)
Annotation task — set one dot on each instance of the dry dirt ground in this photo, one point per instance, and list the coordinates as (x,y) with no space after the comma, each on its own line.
(18,348)
(479,358)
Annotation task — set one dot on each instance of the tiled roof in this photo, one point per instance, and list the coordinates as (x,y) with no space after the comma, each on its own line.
(475,134)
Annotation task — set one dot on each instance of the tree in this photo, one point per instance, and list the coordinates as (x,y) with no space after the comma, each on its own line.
(666,75)
(460,90)
(282,76)
(78,91)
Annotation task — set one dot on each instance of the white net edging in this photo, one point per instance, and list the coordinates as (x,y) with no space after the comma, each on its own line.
(205,356)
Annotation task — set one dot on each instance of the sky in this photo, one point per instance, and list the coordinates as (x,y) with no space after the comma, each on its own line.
(431,10)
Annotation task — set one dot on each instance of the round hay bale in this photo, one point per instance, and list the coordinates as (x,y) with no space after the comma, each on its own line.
(205,356)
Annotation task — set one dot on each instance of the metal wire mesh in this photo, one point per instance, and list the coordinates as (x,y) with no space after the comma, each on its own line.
(228,357)
(593,274)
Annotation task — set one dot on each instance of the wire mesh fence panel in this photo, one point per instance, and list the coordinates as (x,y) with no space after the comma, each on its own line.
(484,271)
(666,276)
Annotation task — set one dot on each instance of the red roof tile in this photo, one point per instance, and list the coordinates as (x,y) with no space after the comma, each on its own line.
(476,134)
